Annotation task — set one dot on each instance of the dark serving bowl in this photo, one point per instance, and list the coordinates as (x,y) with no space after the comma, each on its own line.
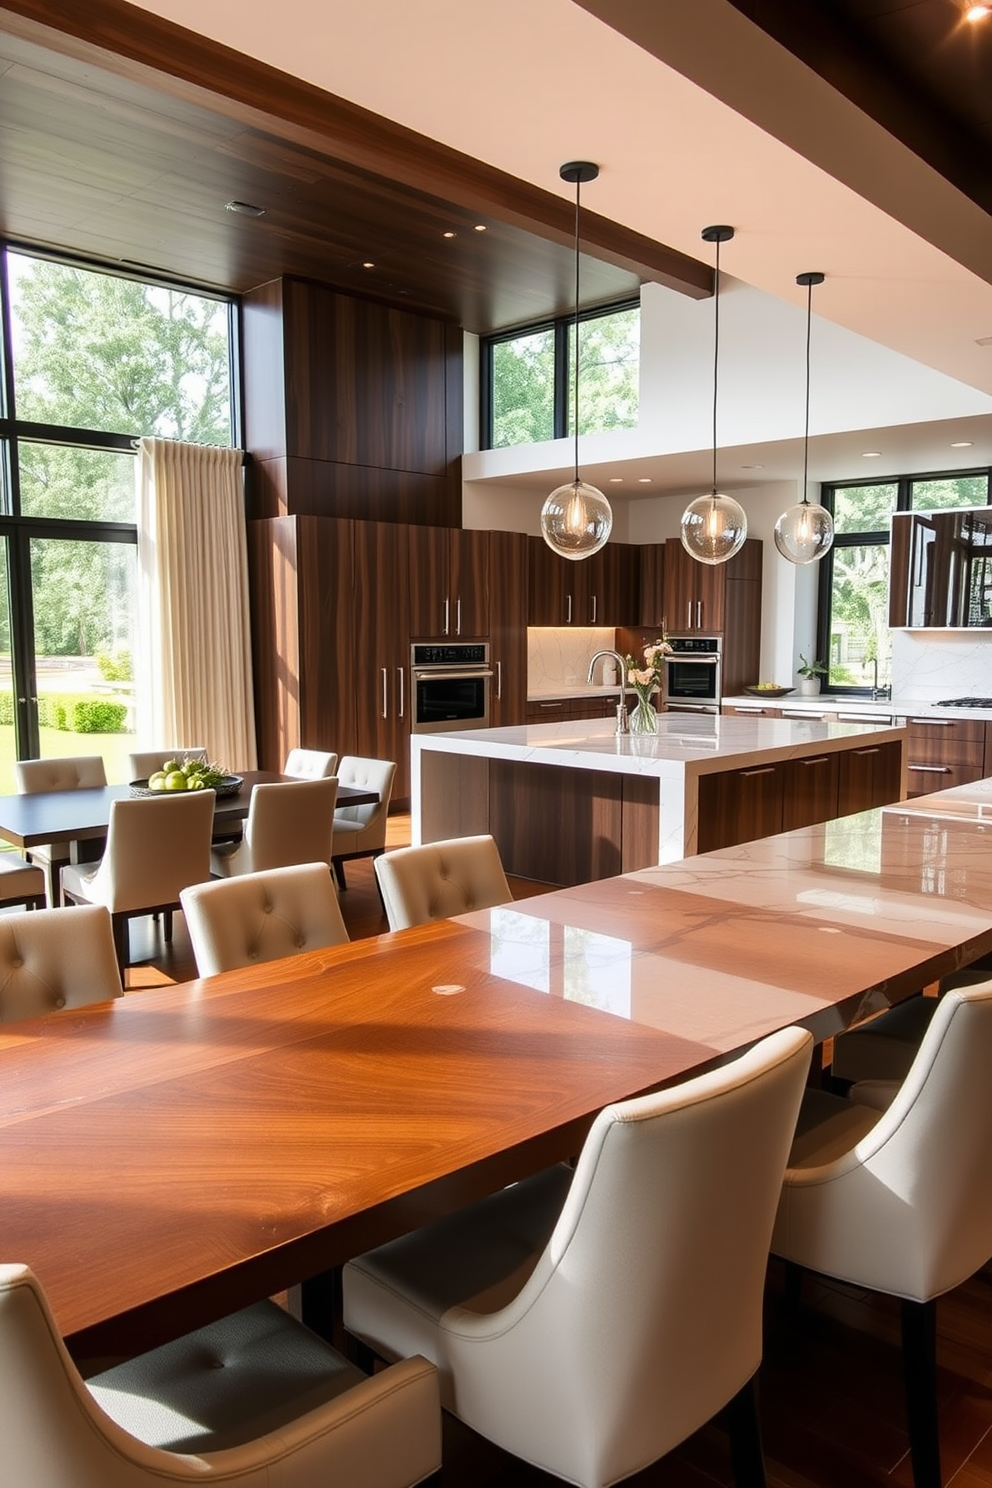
(230,785)
(769,692)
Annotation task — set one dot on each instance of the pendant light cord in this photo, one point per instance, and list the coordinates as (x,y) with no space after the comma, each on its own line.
(809,324)
(716,349)
(575,374)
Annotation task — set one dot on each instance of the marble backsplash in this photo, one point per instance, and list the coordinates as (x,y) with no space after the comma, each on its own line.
(931,665)
(562,656)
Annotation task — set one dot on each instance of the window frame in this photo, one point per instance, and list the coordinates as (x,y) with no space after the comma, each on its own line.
(877,537)
(561,326)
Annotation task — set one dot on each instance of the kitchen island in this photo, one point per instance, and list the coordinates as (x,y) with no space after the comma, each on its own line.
(570,802)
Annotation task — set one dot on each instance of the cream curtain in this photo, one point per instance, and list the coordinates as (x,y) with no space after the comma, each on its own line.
(194,681)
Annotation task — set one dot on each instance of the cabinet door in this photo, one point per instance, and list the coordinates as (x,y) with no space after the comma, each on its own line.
(426,583)
(868,776)
(809,791)
(508,627)
(652,611)
(739,806)
(613,581)
(468,583)
(381,646)
(548,602)
(695,591)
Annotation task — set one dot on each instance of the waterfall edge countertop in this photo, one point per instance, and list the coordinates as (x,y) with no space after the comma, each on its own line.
(455,793)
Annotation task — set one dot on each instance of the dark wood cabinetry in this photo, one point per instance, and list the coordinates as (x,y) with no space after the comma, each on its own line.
(652,585)
(697,595)
(601,590)
(943,752)
(507,628)
(380,646)
(570,709)
(448,583)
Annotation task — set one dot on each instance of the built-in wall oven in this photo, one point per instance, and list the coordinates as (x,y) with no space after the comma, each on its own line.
(450,686)
(692,673)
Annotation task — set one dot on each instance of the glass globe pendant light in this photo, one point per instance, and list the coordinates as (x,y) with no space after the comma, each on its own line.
(806,531)
(576,519)
(714,527)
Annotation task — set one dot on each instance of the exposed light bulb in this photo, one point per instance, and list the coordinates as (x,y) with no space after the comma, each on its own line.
(714,528)
(576,520)
(804,533)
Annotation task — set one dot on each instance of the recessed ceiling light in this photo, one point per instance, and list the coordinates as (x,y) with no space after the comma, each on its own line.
(448,235)
(644,480)
(871,454)
(961,443)
(977,12)
(616,480)
(368,264)
(480,227)
(752,467)
(244,209)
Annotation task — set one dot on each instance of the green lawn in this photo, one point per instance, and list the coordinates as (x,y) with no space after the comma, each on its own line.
(115,749)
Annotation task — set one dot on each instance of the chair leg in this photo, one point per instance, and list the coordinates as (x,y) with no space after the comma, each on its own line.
(338,866)
(745,1438)
(167,924)
(119,925)
(919,1362)
(378,885)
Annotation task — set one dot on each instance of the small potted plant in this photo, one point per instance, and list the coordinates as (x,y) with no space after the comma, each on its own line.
(811,672)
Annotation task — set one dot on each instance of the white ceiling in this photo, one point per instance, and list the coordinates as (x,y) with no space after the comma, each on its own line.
(702,118)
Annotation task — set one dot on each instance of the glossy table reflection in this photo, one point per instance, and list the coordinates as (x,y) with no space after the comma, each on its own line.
(175,1154)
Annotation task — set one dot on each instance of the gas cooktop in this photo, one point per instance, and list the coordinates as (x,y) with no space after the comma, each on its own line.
(965,703)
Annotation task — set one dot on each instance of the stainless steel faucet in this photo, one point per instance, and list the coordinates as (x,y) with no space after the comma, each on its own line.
(877,692)
(622,725)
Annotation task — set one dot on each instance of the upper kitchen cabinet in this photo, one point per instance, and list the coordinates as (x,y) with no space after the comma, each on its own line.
(696,593)
(601,590)
(352,408)
(448,583)
(653,612)
(941,569)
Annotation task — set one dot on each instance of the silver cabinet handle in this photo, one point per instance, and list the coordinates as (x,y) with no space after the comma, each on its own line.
(458,616)
(385,693)
(568,612)
(931,769)
(447,617)
(865,751)
(821,759)
(699,614)
(688,616)
(499,681)
(551,705)
(933,722)
(593,621)
(765,770)
(402,712)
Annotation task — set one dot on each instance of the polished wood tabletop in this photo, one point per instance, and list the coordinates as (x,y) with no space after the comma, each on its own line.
(174,1154)
(82,815)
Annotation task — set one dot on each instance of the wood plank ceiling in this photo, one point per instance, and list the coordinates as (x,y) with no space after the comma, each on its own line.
(123,138)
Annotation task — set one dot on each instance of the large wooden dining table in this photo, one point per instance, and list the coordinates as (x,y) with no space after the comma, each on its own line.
(77,816)
(179,1152)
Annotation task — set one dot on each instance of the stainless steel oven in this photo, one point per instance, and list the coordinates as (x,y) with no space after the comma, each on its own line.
(450,686)
(692,671)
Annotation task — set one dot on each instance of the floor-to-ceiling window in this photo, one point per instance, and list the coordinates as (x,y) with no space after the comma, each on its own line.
(92,360)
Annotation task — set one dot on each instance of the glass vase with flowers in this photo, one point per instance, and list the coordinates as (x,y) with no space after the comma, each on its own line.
(647,679)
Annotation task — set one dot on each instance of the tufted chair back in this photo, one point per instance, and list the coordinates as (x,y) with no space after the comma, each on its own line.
(363,828)
(262,916)
(440,879)
(78,772)
(141,765)
(310,764)
(289,822)
(61,958)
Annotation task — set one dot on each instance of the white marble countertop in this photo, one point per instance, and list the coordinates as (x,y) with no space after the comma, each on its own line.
(687,744)
(901,706)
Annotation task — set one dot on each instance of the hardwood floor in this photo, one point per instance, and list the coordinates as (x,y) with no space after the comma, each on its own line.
(831,1381)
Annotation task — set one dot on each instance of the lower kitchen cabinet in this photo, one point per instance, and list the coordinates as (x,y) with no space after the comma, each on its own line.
(943,752)
(739,806)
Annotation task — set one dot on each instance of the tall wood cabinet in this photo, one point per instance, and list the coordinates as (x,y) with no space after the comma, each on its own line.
(507,627)
(379,643)
(601,590)
(448,582)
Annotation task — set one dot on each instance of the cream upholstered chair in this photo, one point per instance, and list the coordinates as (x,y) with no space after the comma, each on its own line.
(898,1199)
(590,1322)
(310,764)
(22,882)
(252,1401)
(440,879)
(360,831)
(156,845)
(146,762)
(34,777)
(288,822)
(62,959)
(261,916)
(884,1047)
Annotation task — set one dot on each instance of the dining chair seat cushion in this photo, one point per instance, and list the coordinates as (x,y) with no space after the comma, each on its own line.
(885,1047)
(239,1378)
(252,1401)
(19,880)
(254,917)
